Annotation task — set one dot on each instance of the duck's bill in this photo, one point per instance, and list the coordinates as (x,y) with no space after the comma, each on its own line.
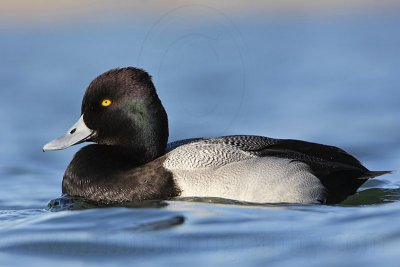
(78,133)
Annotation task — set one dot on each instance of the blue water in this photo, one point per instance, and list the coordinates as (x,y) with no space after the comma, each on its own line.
(329,79)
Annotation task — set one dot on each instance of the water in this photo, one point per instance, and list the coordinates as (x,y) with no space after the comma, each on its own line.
(330,79)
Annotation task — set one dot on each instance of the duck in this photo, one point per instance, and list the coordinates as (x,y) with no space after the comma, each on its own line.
(130,159)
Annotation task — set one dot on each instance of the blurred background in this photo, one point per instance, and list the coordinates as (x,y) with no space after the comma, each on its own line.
(321,71)
(324,71)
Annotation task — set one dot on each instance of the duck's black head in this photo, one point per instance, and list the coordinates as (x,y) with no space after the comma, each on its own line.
(121,109)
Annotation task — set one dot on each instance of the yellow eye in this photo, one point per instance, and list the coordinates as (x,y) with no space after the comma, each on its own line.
(106,103)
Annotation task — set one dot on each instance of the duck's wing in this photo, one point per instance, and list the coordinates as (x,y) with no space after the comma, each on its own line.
(341,173)
(260,146)
(308,152)
(175,144)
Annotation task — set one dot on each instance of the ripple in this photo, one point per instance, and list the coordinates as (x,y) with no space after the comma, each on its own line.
(82,249)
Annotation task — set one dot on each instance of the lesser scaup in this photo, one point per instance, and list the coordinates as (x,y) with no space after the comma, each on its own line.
(131,160)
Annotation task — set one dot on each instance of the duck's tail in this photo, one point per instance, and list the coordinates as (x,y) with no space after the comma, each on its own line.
(372,174)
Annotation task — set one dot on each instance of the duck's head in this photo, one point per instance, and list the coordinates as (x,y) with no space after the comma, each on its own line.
(120,108)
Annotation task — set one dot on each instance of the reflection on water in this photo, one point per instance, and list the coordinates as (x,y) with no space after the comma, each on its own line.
(67,203)
(374,196)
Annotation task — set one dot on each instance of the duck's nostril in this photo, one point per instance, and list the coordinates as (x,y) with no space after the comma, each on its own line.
(72,131)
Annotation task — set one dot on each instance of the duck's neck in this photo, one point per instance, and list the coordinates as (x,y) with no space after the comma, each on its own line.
(150,131)
(141,135)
